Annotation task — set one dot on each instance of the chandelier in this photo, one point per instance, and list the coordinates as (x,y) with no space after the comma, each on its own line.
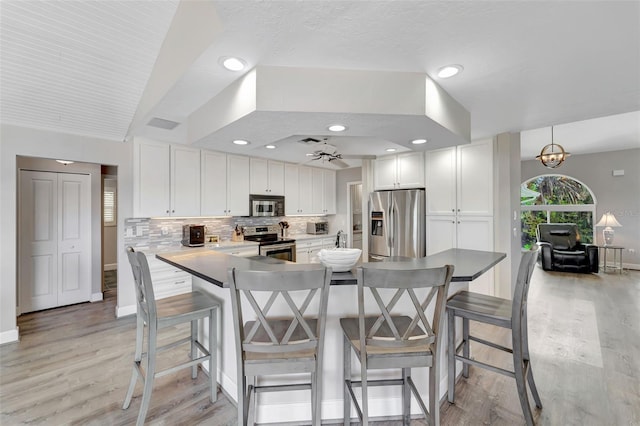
(552,155)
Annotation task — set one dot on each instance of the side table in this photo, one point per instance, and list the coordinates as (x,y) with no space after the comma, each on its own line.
(617,257)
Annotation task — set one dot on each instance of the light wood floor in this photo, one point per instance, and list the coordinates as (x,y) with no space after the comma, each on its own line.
(72,365)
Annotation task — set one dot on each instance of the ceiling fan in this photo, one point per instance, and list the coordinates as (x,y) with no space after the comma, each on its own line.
(329,153)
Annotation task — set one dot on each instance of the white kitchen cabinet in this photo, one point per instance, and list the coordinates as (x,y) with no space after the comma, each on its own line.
(323,190)
(445,232)
(459,190)
(307,250)
(460,180)
(237,185)
(225,184)
(214,184)
(167,280)
(399,171)
(166,180)
(297,194)
(267,177)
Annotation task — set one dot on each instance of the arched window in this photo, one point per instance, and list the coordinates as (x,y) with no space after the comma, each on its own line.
(556,199)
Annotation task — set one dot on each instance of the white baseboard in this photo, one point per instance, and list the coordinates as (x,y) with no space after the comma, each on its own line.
(96,297)
(126,311)
(9,336)
(110,266)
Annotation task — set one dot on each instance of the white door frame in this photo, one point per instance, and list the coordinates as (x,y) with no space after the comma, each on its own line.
(54,239)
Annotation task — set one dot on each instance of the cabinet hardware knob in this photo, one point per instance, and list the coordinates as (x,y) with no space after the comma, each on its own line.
(173,211)
(167,211)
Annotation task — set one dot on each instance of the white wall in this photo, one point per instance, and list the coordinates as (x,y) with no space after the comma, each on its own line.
(19,141)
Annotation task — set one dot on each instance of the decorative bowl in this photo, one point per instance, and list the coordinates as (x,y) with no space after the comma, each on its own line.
(339,259)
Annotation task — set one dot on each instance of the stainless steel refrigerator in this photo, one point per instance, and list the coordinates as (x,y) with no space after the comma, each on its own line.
(397,224)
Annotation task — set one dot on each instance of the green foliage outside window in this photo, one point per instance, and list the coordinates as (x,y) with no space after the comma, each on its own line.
(548,192)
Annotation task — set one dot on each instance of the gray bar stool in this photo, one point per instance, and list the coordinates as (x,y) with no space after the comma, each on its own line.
(168,312)
(290,343)
(511,314)
(384,338)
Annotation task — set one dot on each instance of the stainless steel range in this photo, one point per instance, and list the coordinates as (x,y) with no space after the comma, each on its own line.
(270,244)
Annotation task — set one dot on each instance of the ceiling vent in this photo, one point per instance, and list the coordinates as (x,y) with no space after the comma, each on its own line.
(309,141)
(161,123)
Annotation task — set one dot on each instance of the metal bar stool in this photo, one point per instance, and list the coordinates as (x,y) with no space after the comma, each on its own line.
(273,343)
(390,339)
(189,307)
(511,314)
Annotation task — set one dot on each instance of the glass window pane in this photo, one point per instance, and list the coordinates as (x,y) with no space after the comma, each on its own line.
(530,221)
(584,220)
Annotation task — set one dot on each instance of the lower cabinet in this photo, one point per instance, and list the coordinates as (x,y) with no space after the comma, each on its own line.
(167,280)
(469,232)
(307,250)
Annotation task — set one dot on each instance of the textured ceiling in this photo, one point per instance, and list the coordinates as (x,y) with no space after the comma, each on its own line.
(82,66)
(79,66)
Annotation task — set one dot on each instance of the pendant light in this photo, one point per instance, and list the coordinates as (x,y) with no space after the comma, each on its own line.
(552,155)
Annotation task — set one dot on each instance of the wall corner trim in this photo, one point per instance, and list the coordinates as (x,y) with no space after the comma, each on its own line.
(9,336)
(126,311)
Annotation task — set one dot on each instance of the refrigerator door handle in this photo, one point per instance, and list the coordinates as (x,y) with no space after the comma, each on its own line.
(390,226)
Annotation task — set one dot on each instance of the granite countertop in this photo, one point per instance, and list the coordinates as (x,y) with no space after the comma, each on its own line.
(212,266)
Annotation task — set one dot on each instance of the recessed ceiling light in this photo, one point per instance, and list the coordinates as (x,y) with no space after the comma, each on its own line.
(337,128)
(241,142)
(418,141)
(449,71)
(233,64)
(65,162)
(270,146)
(390,150)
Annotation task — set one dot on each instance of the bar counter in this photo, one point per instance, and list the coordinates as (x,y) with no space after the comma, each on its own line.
(212,266)
(209,270)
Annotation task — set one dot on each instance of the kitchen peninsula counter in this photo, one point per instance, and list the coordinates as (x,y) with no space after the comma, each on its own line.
(209,270)
(212,266)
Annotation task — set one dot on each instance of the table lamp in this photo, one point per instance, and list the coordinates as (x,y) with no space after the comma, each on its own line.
(608,220)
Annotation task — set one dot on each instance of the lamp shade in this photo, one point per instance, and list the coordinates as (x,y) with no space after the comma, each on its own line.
(608,219)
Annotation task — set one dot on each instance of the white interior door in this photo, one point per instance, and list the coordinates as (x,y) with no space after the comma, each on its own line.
(54,240)
(38,241)
(74,218)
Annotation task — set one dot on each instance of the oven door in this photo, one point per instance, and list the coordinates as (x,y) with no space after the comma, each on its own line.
(263,208)
(279,251)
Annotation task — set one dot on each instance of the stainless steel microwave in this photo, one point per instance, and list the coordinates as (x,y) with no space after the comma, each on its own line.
(266,205)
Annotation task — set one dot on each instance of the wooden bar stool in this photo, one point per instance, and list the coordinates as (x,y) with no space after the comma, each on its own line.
(279,344)
(511,314)
(384,338)
(189,307)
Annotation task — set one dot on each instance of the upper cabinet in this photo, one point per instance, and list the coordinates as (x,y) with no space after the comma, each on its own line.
(225,184)
(166,180)
(298,199)
(323,189)
(174,180)
(460,180)
(237,185)
(267,177)
(399,171)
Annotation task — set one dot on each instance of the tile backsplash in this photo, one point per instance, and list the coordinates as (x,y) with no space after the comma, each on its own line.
(167,232)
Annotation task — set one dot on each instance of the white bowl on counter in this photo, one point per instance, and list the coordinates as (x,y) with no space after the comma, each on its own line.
(339,259)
